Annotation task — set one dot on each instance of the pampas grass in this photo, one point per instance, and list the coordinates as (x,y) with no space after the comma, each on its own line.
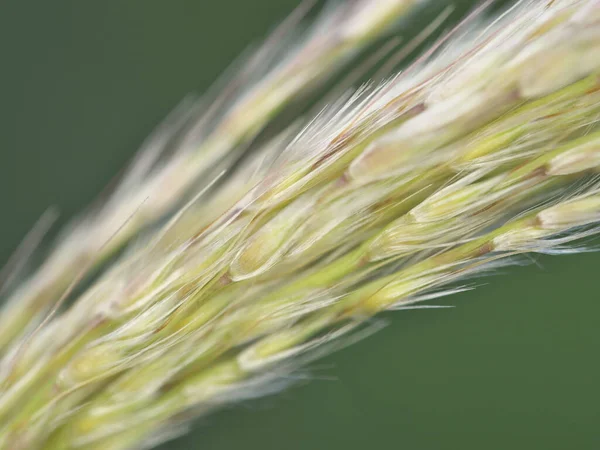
(482,150)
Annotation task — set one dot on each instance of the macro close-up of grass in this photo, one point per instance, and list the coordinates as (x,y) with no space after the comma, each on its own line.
(281,224)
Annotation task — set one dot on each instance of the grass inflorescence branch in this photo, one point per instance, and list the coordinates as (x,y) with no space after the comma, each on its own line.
(486,148)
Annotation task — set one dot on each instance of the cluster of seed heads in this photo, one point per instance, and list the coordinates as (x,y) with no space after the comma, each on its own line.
(484,148)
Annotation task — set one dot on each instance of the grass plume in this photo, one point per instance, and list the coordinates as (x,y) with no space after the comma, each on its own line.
(485,148)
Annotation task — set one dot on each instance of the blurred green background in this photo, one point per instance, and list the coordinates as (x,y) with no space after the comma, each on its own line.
(512,366)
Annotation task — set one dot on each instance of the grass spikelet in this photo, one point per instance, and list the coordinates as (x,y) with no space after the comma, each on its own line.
(485,148)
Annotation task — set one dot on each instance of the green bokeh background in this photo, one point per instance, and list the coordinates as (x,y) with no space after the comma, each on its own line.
(514,365)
